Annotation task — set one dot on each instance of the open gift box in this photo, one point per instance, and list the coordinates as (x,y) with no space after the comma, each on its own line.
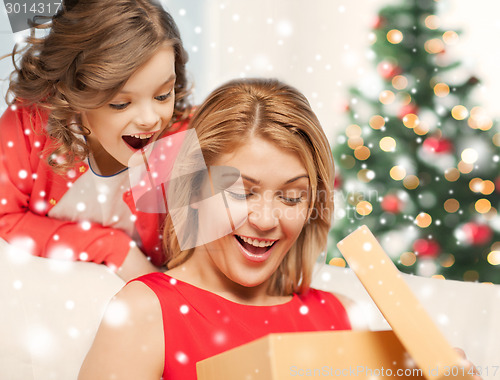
(415,347)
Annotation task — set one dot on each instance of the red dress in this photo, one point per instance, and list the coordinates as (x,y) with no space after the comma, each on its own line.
(198,324)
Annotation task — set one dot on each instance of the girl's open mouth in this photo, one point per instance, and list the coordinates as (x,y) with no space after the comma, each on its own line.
(137,141)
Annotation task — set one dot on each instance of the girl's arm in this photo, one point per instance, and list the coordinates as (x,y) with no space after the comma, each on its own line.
(129,344)
(27,185)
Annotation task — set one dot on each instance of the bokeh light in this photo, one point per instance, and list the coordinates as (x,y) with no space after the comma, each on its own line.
(362,153)
(394,36)
(482,206)
(387,144)
(434,46)
(452,174)
(399,82)
(450,37)
(377,122)
(387,97)
(441,89)
(411,182)
(408,258)
(397,173)
(451,205)
(364,208)
(423,220)
(411,120)
(469,156)
(459,112)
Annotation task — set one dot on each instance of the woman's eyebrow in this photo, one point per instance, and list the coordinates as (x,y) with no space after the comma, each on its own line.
(257,182)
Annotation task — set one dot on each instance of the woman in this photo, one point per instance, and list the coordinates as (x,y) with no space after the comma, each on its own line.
(106,80)
(242,239)
(254,280)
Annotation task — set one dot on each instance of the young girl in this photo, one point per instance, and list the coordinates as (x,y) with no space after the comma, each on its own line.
(255,279)
(106,81)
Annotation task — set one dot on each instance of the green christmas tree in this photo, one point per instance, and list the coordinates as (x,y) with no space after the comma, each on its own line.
(419,163)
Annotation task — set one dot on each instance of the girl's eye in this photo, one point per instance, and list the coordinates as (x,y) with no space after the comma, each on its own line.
(239,196)
(164,97)
(119,106)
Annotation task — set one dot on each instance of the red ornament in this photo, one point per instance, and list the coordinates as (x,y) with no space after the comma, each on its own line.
(426,248)
(497,184)
(391,204)
(378,22)
(405,110)
(477,234)
(437,145)
(388,70)
(337,182)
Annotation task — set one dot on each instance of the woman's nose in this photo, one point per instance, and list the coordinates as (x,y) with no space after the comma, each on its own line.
(263,215)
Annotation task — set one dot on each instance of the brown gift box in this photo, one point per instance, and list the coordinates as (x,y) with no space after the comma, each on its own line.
(359,354)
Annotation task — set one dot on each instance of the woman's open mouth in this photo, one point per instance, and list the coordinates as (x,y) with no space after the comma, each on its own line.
(137,141)
(256,250)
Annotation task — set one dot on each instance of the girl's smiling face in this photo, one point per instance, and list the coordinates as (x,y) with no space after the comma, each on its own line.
(136,116)
(276,190)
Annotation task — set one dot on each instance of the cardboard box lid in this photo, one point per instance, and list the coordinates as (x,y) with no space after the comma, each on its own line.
(402,310)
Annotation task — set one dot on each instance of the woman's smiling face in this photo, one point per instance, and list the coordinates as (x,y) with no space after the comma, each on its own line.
(275,188)
(136,116)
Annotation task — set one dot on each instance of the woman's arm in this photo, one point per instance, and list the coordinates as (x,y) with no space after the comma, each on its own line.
(129,344)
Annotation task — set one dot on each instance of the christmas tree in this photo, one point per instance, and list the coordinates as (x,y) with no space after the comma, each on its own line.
(419,163)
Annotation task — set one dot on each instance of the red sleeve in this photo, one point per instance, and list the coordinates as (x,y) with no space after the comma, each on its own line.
(28,186)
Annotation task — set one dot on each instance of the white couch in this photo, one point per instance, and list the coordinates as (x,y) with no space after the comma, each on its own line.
(50,311)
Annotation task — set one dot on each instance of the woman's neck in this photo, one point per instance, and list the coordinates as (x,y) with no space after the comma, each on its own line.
(195,273)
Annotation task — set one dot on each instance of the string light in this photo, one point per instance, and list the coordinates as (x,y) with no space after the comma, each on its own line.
(446,260)
(347,161)
(411,182)
(423,220)
(493,258)
(450,37)
(387,97)
(366,175)
(353,130)
(377,122)
(411,120)
(452,174)
(488,187)
(469,156)
(476,185)
(397,173)
(432,22)
(399,82)
(387,144)
(479,119)
(337,262)
(408,258)
(434,46)
(451,205)
(364,208)
(459,112)
(464,167)
(394,36)
(354,142)
(482,206)
(441,90)
(362,153)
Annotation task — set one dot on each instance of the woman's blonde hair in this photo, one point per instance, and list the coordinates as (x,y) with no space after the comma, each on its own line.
(269,109)
(93,47)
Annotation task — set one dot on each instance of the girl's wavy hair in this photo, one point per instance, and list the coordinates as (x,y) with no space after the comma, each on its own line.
(269,109)
(93,47)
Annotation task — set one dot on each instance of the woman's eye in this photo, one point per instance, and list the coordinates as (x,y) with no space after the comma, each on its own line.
(239,196)
(119,106)
(292,201)
(164,97)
